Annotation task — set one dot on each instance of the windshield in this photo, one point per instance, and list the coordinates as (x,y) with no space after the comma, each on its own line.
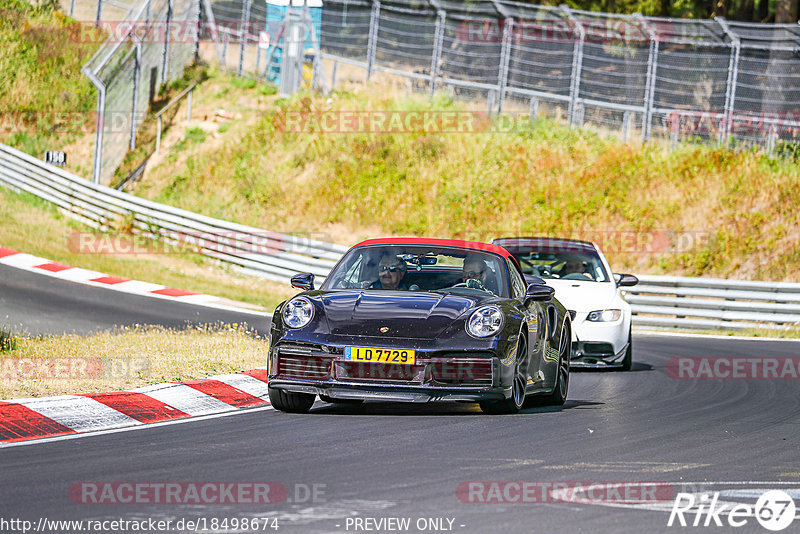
(420,268)
(568,265)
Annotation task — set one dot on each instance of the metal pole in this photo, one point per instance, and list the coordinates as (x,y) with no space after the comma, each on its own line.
(243,33)
(158,135)
(189,110)
(438,39)
(650,84)
(374,21)
(99,13)
(72,8)
(505,51)
(199,19)
(533,110)
(577,63)
(333,74)
(733,74)
(626,127)
(505,57)
(165,59)
(135,106)
(101,107)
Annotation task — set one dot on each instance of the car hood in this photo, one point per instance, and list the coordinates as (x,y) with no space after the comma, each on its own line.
(410,315)
(585,296)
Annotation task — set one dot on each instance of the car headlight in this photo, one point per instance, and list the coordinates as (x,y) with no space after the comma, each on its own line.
(604,316)
(485,321)
(297,312)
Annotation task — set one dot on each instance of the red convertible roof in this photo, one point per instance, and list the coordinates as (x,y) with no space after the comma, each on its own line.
(474,245)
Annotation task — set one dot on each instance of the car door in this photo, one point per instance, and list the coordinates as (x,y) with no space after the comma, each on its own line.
(534,317)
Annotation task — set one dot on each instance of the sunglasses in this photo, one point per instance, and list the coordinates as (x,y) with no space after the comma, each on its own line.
(389,268)
(471,274)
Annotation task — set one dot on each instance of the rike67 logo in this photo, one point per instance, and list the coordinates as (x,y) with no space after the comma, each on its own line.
(774,510)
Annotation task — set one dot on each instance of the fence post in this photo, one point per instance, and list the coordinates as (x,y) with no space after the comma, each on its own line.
(99,13)
(505,57)
(577,63)
(771,140)
(626,127)
(533,110)
(438,39)
(733,75)
(333,74)
(72,8)
(374,21)
(98,139)
(165,59)
(650,83)
(243,33)
(135,105)
(199,19)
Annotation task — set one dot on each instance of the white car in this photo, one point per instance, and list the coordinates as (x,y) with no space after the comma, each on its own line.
(586,286)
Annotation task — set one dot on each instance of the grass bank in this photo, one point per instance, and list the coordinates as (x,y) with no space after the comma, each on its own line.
(124,359)
(46,102)
(696,211)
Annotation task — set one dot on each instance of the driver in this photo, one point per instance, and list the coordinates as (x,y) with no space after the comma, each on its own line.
(572,267)
(391,271)
(474,269)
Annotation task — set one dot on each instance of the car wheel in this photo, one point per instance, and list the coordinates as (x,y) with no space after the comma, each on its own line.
(561,388)
(517,400)
(331,400)
(627,361)
(286,401)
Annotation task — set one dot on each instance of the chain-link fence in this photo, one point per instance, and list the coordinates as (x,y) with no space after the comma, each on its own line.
(724,82)
(731,83)
(149,45)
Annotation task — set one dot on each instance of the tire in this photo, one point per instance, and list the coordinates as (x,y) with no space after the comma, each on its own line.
(286,401)
(517,401)
(561,387)
(627,361)
(331,400)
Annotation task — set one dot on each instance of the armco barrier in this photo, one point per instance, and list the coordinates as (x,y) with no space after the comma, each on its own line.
(663,301)
(268,254)
(709,303)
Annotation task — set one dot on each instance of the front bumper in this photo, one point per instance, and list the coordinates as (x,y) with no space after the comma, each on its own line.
(432,378)
(391,392)
(595,355)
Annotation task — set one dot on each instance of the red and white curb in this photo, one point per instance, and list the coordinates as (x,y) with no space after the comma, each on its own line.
(47,417)
(47,267)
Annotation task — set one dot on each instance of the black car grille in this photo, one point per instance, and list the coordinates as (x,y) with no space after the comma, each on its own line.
(304,368)
(462,371)
(377,371)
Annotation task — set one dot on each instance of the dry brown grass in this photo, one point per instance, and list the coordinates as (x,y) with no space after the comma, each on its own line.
(125,359)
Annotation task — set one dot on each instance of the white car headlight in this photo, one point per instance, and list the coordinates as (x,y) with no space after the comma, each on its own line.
(604,316)
(485,321)
(298,312)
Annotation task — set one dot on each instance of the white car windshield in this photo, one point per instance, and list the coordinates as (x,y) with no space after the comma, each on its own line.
(420,268)
(582,265)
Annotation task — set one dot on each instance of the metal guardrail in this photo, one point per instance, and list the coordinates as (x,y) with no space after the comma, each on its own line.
(711,303)
(664,301)
(267,254)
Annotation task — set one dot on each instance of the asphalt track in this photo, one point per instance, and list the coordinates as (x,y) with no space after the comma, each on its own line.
(399,461)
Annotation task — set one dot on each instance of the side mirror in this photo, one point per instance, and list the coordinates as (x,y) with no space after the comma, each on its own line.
(530,279)
(539,293)
(626,280)
(303,281)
